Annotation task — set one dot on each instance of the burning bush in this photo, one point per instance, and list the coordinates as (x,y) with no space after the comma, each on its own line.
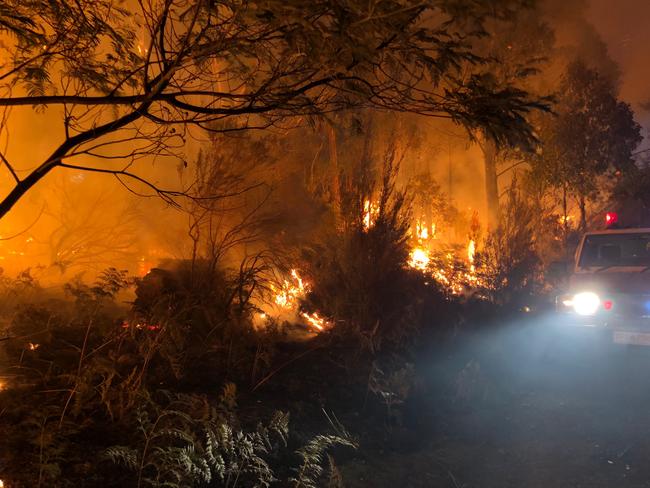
(360,271)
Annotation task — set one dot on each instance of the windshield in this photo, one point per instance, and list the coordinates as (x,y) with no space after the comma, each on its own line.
(616,250)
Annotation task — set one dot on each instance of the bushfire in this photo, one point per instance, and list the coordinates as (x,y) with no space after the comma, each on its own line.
(287,302)
(456,274)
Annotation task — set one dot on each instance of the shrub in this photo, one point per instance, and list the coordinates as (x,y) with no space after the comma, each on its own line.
(359,271)
(508,263)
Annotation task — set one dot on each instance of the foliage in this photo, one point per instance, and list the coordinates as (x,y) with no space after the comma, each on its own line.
(431,205)
(592,134)
(311,471)
(184,441)
(228,66)
(508,263)
(199,309)
(631,193)
(359,270)
(81,383)
(517,52)
(392,387)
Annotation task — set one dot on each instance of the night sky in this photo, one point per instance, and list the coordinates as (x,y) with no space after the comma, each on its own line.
(623,25)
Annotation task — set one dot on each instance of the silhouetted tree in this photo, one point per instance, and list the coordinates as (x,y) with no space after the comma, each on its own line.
(593,133)
(133,80)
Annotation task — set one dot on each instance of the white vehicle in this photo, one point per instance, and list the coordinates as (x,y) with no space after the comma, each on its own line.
(609,287)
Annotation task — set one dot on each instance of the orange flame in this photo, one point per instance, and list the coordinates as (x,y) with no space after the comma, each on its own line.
(291,292)
(419,258)
(370,212)
(471,251)
(316,321)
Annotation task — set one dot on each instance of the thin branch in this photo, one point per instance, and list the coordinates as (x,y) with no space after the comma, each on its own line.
(24,231)
(511,167)
(9,167)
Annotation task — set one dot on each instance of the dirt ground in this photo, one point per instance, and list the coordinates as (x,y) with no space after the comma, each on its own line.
(522,406)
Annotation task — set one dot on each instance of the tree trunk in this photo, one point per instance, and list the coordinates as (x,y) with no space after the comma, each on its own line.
(334,165)
(565,221)
(491,184)
(583,213)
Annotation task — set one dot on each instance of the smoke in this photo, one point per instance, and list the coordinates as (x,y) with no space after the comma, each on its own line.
(611,37)
(614,41)
(624,30)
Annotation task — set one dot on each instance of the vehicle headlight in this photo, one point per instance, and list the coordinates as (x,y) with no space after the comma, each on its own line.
(585,303)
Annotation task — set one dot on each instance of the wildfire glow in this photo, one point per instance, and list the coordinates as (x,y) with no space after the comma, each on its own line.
(471,251)
(419,258)
(422,231)
(316,321)
(565,219)
(287,305)
(457,275)
(370,212)
(292,291)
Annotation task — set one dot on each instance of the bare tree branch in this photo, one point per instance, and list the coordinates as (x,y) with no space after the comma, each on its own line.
(9,167)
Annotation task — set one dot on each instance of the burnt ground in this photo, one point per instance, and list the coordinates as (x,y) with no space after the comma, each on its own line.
(523,406)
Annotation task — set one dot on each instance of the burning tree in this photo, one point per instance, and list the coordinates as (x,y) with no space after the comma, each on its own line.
(132,82)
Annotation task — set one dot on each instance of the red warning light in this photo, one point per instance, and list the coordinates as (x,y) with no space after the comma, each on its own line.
(608,304)
(611,218)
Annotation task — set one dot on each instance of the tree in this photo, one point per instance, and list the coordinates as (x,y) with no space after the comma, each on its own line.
(131,81)
(519,48)
(593,133)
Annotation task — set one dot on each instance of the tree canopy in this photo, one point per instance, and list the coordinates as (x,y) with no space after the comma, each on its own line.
(130,79)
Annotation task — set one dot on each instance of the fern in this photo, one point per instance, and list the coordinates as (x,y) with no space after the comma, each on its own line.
(313,455)
(185,442)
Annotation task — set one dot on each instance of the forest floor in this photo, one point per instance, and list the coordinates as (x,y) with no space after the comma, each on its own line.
(533,409)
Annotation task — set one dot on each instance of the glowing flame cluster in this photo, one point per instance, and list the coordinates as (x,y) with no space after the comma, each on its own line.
(315,320)
(286,302)
(370,213)
(291,292)
(454,274)
(419,258)
(565,219)
(423,231)
(140,326)
(471,251)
